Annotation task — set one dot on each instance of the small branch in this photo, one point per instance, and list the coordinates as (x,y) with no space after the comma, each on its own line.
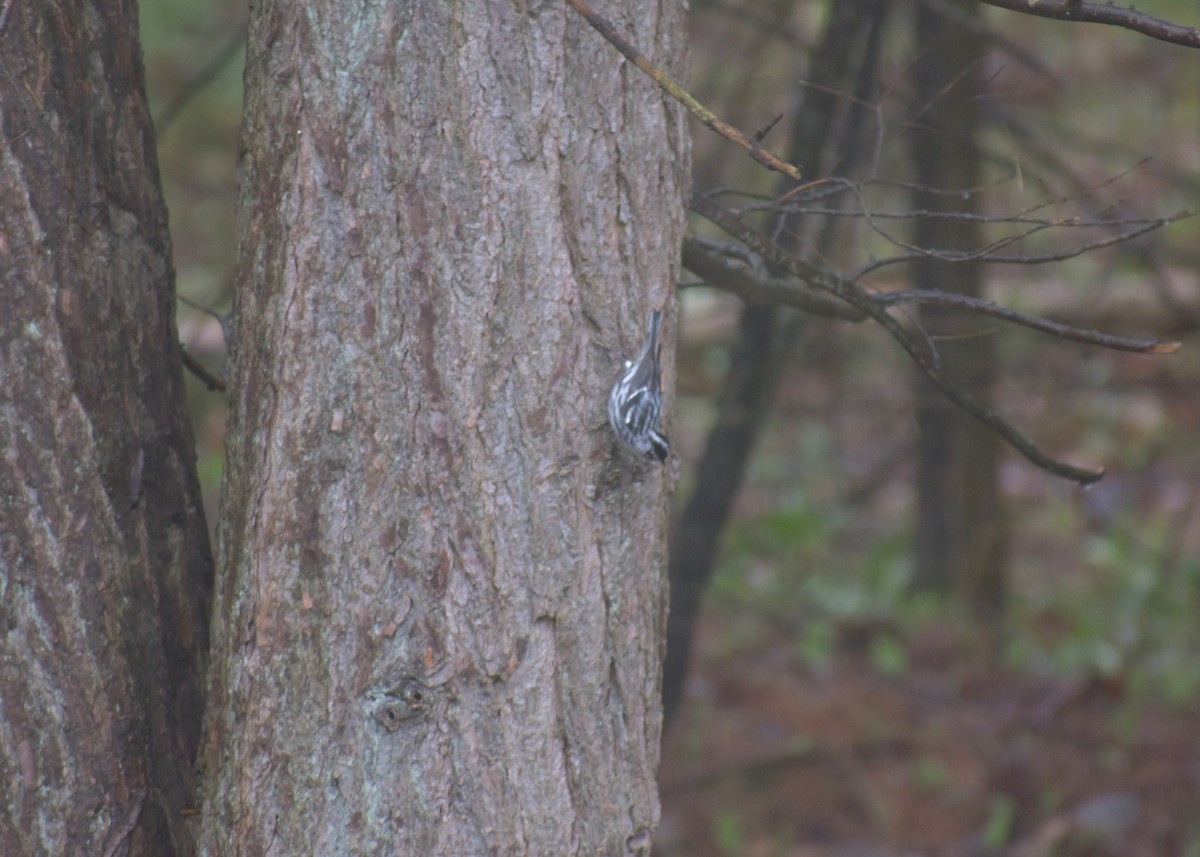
(703,258)
(772,252)
(925,357)
(1105,13)
(193,365)
(1130,229)
(1063,331)
(1017,440)
(710,119)
(761,133)
(988,253)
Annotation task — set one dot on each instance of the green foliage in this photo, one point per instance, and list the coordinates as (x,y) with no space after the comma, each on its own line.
(1133,618)
(930,774)
(786,557)
(817,643)
(998,829)
(1193,846)
(729,834)
(889,655)
(209,466)
(791,566)
(1129,615)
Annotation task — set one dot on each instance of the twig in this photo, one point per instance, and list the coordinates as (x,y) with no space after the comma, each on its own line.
(925,358)
(193,365)
(987,253)
(761,133)
(1063,331)
(1019,219)
(1105,13)
(710,119)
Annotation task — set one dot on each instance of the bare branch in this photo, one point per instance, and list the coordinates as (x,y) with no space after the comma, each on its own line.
(1063,331)
(1128,228)
(605,28)
(988,253)
(705,259)
(1105,13)
(197,368)
(1017,440)
(923,354)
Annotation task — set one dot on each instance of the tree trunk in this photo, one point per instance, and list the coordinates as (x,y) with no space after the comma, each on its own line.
(440,609)
(961,534)
(105,570)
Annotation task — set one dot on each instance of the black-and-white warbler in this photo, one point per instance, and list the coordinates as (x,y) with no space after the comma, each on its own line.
(635,403)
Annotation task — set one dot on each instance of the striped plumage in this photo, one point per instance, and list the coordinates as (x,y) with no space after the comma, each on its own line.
(635,403)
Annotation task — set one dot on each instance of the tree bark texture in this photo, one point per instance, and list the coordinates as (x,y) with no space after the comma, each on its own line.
(440,613)
(961,535)
(105,570)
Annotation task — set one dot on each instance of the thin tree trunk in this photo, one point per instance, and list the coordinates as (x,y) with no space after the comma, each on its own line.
(105,570)
(961,535)
(441,607)
(845,60)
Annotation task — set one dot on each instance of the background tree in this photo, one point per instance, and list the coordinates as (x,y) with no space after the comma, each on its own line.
(105,570)
(827,138)
(439,612)
(960,539)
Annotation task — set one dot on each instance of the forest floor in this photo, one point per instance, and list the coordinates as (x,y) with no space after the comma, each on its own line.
(957,757)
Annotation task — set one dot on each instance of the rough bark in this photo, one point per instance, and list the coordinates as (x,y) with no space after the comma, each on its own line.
(105,569)
(441,608)
(960,539)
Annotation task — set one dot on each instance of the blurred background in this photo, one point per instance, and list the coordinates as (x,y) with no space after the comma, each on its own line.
(890,634)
